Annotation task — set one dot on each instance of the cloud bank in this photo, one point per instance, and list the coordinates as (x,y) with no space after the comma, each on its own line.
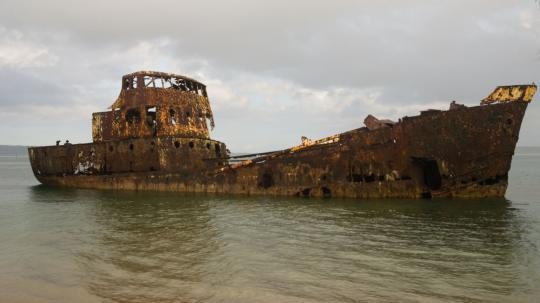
(275,71)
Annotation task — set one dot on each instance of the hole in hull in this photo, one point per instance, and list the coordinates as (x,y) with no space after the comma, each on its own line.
(430,172)
(432,177)
(266,180)
(326,192)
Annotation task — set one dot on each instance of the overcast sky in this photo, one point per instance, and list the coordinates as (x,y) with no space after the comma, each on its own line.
(274,70)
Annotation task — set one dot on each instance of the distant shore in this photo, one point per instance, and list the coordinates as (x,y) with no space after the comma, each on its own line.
(13,151)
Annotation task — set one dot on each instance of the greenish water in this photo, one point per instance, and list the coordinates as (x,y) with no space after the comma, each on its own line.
(102,246)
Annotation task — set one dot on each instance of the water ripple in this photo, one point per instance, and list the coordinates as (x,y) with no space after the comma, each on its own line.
(99,246)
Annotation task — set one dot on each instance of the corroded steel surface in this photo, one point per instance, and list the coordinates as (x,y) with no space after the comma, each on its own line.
(461,152)
(154,104)
(511,93)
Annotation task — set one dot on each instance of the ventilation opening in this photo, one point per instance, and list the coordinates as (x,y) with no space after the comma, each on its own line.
(176,144)
(208,145)
(111,149)
(131,146)
(191,144)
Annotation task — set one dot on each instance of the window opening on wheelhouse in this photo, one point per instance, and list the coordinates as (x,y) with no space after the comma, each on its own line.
(151,119)
(172,116)
(129,83)
(133,116)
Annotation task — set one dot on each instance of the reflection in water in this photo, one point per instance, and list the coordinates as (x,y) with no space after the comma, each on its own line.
(157,247)
(145,245)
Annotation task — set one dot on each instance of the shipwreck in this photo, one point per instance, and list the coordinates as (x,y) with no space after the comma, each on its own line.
(156,137)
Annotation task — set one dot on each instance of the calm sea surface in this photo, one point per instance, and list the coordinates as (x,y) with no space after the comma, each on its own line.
(102,246)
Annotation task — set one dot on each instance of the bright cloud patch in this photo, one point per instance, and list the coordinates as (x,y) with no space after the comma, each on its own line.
(19,52)
(275,70)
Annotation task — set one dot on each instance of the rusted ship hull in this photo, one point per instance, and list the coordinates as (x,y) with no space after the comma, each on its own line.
(462,152)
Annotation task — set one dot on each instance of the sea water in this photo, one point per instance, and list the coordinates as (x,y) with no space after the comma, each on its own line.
(65,245)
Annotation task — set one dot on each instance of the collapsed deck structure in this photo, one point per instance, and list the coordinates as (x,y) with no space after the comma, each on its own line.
(156,137)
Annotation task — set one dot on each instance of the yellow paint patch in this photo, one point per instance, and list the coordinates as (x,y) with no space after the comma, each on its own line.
(511,93)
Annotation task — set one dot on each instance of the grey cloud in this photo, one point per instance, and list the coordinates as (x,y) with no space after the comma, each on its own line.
(18,88)
(412,52)
(347,43)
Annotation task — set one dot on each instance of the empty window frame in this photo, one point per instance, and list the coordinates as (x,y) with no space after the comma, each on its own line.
(129,83)
(133,116)
(172,116)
